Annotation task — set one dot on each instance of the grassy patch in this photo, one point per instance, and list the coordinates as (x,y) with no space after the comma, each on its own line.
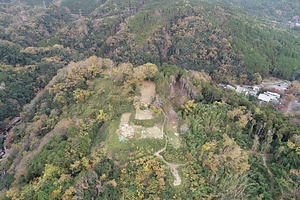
(147,122)
(174,140)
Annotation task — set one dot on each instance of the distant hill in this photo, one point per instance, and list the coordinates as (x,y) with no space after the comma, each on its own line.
(278,10)
(227,42)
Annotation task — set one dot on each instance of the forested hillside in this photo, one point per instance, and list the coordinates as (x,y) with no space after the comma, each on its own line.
(122,99)
(230,45)
(226,146)
(277,10)
(207,36)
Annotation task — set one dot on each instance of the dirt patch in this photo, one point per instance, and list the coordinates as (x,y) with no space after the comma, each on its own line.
(147,92)
(125,118)
(153,132)
(147,95)
(173,117)
(143,114)
(295,121)
(129,130)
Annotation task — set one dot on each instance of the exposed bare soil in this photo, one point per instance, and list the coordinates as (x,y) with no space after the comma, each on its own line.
(147,95)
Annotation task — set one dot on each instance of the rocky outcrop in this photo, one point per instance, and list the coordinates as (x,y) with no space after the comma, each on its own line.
(4,130)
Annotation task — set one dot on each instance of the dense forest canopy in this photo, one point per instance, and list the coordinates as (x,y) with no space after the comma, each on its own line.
(225,41)
(279,10)
(205,36)
(124,99)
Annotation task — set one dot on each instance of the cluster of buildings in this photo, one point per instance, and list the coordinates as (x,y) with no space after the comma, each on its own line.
(272,90)
(269,91)
(293,24)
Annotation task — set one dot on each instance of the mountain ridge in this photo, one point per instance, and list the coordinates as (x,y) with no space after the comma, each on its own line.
(101,102)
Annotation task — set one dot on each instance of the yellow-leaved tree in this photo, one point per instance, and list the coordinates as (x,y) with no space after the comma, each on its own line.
(102,116)
(80,95)
(224,156)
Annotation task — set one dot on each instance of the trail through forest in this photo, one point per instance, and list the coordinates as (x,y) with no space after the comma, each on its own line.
(173,166)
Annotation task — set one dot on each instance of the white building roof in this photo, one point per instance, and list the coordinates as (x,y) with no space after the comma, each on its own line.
(256,88)
(267,96)
(273,94)
(264,97)
(240,89)
(230,87)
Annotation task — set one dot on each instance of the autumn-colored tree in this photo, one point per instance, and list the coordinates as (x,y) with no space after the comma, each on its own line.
(102,116)
(240,116)
(80,95)
(189,106)
(294,88)
(232,158)
(146,71)
(258,78)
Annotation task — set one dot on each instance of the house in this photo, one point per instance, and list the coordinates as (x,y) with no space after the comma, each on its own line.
(253,92)
(264,97)
(268,96)
(256,88)
(240,89)
(230,87)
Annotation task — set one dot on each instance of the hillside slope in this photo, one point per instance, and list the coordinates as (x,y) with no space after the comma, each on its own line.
(93,133)
(277,10)
(210,36)
(226,42)
(119,99)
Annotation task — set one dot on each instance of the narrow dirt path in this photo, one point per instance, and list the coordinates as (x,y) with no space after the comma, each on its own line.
(173,166)
(288,108)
